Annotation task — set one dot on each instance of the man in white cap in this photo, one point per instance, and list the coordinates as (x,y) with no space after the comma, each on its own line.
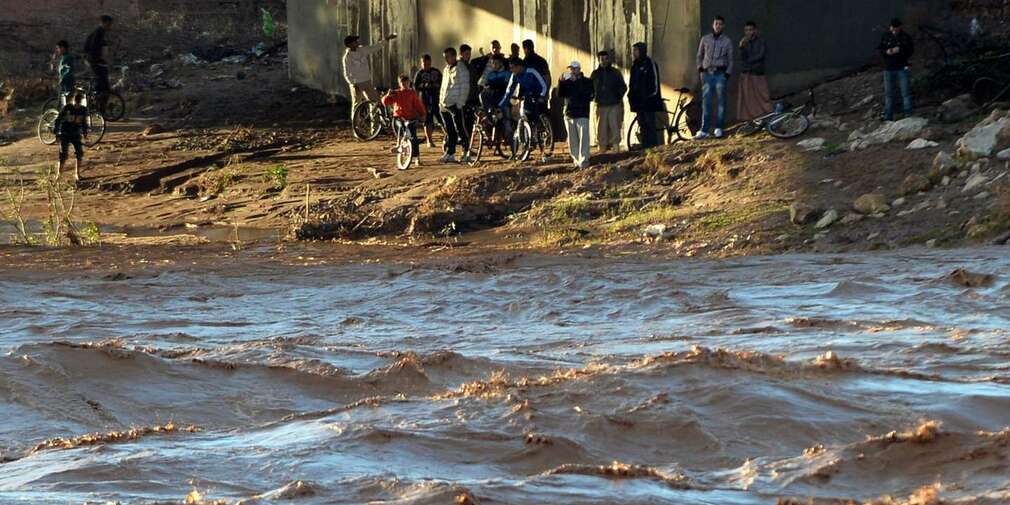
(578,92)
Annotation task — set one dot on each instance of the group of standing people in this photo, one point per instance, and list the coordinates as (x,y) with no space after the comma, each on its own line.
(71,125)
(450,95)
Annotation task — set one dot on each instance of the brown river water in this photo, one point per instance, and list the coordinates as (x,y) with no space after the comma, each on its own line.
(532,381)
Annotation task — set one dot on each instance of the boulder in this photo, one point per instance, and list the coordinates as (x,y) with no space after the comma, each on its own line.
(955,109)
(658,231)
(851,217)
(814,144)
(974,182)
(904,130)
(943,165)
(915,183)
(801,213)
(871,203)
(921,144)
(989,136)
(934,133)
(827,219)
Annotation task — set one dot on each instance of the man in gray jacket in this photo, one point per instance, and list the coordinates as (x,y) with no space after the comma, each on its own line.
(715,66)
(609,87)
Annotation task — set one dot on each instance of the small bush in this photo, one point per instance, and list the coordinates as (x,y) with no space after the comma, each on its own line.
(277,177)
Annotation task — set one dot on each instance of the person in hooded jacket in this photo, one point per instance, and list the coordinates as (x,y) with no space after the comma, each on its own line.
(645,95)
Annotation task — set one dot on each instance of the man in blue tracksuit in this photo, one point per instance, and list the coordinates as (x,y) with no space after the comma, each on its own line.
(532,88)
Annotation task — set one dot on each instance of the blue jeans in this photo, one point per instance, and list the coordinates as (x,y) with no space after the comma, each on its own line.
(713,84)
(904,85)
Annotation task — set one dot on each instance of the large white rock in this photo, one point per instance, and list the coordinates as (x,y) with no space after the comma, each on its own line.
(814,144)
(905,129)
(827,219)
(975,181)
(990,135)
(921,144)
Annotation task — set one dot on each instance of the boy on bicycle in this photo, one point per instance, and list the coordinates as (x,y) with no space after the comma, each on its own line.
(493,83)
(71,126)
(65,69)
(532,89)
(408,109)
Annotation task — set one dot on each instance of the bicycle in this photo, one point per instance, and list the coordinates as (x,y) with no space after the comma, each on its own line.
(667,132)
(115,106)
(369,119)
(404,143)
(533,133)
(785,124)
(46,127)
(487,123)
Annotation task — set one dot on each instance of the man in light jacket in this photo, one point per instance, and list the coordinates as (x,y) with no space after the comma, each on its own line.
(715,66)
(452,99)
(358,69)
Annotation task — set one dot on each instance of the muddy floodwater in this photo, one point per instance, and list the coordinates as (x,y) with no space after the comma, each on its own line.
(533,380)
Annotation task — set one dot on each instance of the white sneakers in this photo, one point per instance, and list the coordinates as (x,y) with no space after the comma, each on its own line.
(702,135)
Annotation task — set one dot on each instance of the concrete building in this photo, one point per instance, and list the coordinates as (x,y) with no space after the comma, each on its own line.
(808,39)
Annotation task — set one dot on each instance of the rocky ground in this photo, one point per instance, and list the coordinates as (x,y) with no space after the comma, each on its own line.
(225,139)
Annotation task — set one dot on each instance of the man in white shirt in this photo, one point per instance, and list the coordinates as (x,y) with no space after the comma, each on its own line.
(358,68)
(452,101)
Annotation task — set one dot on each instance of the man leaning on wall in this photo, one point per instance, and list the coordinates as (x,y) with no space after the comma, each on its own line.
(358,69)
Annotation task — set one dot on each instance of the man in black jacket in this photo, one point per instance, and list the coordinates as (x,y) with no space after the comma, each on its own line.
(71,127)
(609,86)
(535,61)
(897,48)
(577,90)
(644,95)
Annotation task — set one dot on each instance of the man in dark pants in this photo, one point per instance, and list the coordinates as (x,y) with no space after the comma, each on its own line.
(71,126)
(428,82)
(452,100)
(99,58)
(645,95)
(897,48)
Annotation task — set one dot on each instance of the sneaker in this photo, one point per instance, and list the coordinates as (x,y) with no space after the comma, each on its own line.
(545,159)
(431,144)
(447,158)
(466,159)
(701,136)
(394,149)
(718,133)
(417,162)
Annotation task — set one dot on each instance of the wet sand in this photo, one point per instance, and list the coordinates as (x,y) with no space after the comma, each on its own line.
(317,375)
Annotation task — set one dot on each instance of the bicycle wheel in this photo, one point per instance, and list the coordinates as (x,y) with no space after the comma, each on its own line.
(52,103)
(505,148)
(96,128)
(476,145)
(46,126)
(789,125)
(365,121)
(523,141)
(115,107)
(749,128)
(545,138)
(634,136)
(404,150)
(682,127)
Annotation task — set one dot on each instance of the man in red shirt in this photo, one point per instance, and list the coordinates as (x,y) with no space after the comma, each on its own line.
(408,108)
